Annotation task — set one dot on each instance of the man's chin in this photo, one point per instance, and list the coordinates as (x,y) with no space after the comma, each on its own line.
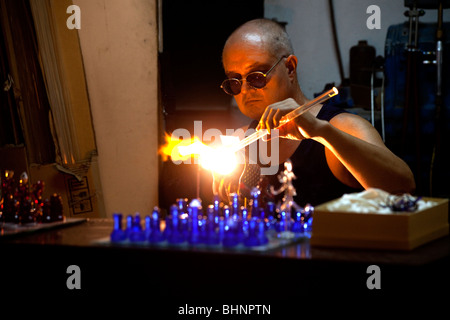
(251,110)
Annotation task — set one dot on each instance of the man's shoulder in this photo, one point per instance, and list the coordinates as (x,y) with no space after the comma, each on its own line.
(351,123)
(328,111)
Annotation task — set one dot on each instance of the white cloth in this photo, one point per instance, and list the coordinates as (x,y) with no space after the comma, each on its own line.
(371,200)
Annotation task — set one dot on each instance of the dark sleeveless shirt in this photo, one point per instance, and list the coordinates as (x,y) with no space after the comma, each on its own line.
(315,183)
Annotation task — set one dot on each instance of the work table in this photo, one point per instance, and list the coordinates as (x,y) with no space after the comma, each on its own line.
(40,259)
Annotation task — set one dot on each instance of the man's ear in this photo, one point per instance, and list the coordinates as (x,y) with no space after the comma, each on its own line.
(291,64)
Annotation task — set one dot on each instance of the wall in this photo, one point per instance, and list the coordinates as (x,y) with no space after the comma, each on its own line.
(118,41)
(310,30)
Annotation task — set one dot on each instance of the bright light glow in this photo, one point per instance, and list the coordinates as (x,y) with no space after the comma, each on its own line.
(335,91)
(196,147)
(195,203)
(221,160)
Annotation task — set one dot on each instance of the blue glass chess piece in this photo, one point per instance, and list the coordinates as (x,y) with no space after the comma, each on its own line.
(183,215)
(233,232)
(155,235)
(309,211)
(255,202)
(194,212)
(212,235)
(148,227)
(235,204)
(137,234)
(252,240)
(117,235)
(262,233)
(176,236)
(129,226)
(221,231)
(244,220)
(297,226)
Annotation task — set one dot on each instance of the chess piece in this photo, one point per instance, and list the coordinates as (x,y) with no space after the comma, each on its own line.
(26,211)
(8,207)
(182,205)
(297,226)
(286,177)
(255,193)
(22,191)
(168,226)
(117,234)
(46,211)
(262,233)
(136,233)
(129,226)
(156,235)
(176,236)
(56,208)
(194,234)
(212,236)
(147,227)
(38,202)
(233,233)
(251,240)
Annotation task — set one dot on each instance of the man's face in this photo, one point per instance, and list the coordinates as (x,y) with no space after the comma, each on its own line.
(244,57)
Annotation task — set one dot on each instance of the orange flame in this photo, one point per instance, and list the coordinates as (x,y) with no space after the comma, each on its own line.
(220,160)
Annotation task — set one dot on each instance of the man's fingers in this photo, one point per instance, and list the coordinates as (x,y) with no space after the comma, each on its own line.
(270,118)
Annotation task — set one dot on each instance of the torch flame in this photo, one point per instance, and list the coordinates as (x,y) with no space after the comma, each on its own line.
(221,160)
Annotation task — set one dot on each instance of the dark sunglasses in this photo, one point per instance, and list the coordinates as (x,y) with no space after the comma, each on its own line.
(255,79)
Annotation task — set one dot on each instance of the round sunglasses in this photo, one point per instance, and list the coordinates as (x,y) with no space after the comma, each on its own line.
(255,79)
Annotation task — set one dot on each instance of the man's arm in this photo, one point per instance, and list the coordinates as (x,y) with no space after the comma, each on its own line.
(354,150)
(354,146)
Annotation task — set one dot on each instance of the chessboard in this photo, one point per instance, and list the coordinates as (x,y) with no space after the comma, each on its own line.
(274,242)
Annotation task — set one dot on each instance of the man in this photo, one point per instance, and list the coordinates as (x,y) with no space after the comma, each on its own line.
(333,152)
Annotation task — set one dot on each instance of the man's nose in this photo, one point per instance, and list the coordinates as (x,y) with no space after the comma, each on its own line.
(245,87)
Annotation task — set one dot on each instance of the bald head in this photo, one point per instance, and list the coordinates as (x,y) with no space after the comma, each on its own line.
(268,34)
(261,46)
